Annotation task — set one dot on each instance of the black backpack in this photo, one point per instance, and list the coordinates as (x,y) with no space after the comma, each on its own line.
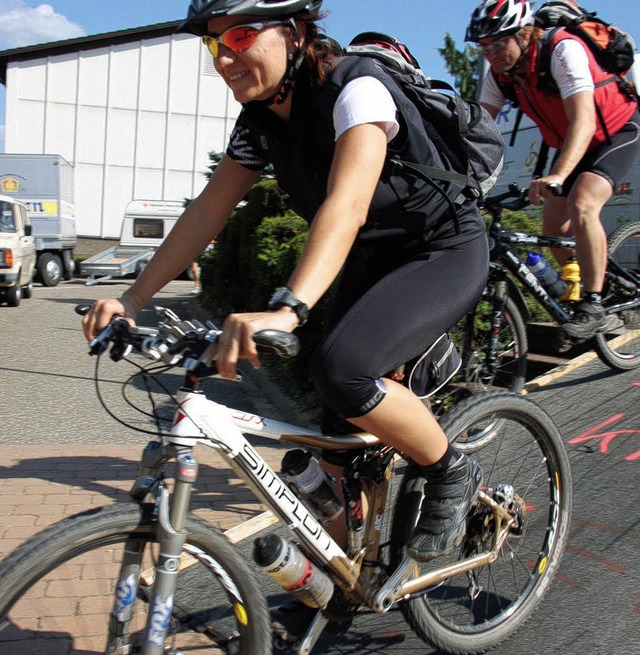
(464,134)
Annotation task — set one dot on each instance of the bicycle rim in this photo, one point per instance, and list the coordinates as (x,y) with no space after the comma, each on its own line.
(58,591)
(619,346)
(472,613)
(474,377)
(510,369)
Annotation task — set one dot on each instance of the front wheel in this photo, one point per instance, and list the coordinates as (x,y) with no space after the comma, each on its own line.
(14,295)
(58,590)
(619,346)
(526,469)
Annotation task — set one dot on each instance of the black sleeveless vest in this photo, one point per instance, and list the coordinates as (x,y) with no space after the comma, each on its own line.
(301,152)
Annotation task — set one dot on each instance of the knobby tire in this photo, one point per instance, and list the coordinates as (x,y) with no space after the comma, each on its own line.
(624,247)
(527,452)
(58,588)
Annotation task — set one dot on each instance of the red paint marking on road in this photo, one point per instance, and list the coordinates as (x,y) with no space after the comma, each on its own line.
(596,558)
(635,384)
(606,437)
(569,581)
(600,526)
(637,608)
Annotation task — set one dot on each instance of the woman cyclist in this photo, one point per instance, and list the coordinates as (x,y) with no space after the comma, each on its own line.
(328,125)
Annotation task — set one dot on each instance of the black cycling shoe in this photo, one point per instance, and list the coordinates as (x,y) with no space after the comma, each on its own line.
(447,498)
(588,319)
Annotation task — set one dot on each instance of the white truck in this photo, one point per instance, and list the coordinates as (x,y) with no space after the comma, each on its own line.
(44,183)
(145,225)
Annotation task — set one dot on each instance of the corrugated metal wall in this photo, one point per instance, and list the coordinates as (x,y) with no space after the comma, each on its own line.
(137,120)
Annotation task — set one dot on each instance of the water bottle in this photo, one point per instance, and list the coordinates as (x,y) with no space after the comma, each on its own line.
(310,483)
(290,568)
(571,275)
(550,279)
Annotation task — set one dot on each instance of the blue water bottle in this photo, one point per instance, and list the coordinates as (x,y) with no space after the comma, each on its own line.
(549,277)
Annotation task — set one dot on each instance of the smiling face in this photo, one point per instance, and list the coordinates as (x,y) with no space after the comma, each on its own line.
(256,73)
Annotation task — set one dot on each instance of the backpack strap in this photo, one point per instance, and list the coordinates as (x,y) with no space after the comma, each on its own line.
(545,80)
(428,174)
(543,64)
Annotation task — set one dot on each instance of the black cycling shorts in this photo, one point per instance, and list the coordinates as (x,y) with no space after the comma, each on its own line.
(612,160)
(391,304)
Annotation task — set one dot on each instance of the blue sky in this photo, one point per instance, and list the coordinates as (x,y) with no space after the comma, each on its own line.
(421,24)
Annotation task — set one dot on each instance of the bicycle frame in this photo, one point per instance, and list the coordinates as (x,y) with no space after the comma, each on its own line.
(501,252)
(200,420)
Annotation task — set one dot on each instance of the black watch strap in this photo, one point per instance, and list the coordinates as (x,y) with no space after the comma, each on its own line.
(284,296)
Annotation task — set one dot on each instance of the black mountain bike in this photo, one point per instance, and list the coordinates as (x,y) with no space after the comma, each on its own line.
(494,338)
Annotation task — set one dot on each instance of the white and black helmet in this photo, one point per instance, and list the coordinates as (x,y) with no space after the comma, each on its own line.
(200,11)
(498,18)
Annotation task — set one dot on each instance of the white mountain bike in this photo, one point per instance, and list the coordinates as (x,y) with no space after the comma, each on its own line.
(149,578)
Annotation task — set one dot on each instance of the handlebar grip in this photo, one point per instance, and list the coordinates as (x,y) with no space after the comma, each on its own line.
(555,188)
(282,343)
(82,309)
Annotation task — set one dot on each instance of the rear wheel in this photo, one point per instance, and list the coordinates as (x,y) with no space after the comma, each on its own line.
(50,269)
(526,469)
(27,290)
(619,346)
(58,590)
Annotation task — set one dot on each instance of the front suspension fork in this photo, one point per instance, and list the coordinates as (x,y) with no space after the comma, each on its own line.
(171,514)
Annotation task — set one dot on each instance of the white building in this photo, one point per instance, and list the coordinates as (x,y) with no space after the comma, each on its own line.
(136,112)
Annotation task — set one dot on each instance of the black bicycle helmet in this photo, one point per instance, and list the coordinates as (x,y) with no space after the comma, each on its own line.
(498,18)
(200,11)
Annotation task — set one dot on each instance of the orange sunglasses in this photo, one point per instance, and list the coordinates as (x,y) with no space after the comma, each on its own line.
(237,38)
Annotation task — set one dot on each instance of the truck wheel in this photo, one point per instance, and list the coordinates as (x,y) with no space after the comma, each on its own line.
(50,269)
(27,290)
(14,295)
(69,264)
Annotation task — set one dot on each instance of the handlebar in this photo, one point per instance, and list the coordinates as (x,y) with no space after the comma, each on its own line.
(187,343)
(516,197)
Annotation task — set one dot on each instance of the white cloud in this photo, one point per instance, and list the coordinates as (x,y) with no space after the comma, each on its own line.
(21,25)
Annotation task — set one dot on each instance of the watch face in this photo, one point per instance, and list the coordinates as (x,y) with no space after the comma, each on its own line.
(285,296)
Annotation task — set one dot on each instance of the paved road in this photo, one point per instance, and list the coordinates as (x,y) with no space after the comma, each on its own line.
(51,424)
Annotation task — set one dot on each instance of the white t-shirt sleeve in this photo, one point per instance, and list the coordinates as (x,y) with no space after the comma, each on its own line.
(365,100)
(490,93)
(570,68)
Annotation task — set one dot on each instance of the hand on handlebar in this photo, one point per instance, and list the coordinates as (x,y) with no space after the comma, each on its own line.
(236,341)
(102,311)
(545,187)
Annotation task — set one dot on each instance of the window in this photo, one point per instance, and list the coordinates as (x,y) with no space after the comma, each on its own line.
(148,228)
(7,219)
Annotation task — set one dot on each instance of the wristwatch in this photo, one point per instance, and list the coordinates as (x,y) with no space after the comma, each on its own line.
(284,296)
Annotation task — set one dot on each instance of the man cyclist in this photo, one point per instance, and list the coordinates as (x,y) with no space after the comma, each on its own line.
(591,122)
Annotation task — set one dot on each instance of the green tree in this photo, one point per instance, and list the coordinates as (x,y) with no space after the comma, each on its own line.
(463,66)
